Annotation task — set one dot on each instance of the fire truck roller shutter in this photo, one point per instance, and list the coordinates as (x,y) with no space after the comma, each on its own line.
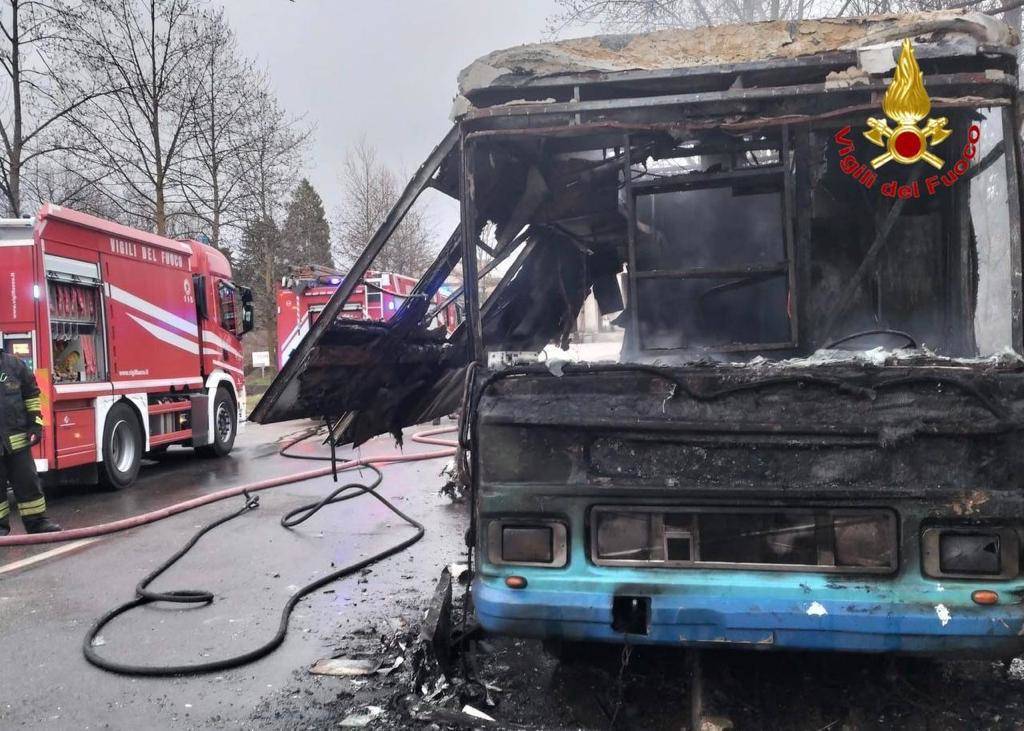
(124,439)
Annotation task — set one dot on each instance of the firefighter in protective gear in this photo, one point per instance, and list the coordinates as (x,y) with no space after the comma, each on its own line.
(21,426)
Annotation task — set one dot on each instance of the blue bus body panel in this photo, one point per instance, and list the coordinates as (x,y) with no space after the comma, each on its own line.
(759,610)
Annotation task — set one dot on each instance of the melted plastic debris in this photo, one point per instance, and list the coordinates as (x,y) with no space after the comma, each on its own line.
(1005,358)
(347,666)
(362,718)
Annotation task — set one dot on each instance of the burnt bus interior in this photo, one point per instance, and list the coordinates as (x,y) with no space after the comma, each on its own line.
(713,198)
(748,244)
(706,208)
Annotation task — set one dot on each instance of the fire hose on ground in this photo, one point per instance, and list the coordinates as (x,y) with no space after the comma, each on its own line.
(290,519)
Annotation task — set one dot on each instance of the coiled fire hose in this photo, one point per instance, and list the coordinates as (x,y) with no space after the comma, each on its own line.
(144,596)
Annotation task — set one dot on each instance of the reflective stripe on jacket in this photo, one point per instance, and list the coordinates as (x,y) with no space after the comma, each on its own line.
(20,404)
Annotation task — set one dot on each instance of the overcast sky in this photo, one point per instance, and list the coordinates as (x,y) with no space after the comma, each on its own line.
(383,68)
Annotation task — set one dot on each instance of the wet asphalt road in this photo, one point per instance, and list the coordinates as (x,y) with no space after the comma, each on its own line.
(252,564)
(177,475)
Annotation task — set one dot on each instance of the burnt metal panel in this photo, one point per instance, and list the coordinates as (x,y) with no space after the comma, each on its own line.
(1013,195)
(470,236)
(836,431)
(802,185)
(284,384)
(632,301)
(979,82)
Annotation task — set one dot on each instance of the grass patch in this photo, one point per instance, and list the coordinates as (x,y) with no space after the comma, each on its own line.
(255,384)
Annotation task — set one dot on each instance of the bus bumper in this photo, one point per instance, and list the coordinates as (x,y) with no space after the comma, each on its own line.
(857,618)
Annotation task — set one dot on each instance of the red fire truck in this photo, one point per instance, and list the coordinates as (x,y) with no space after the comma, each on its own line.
(305,291)
(134,339)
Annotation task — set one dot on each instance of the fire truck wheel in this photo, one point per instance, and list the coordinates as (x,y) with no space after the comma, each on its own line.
(122,447)
(223,426)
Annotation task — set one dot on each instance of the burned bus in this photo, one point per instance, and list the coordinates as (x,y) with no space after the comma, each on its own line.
(808,433)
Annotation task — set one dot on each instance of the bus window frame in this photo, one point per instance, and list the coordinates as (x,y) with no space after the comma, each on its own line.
(784,170)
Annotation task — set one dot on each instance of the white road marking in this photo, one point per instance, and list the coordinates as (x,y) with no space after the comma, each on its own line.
(59,551)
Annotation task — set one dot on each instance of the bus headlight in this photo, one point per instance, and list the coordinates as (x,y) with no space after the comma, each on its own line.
(527,542)
(532,544)
(970,552)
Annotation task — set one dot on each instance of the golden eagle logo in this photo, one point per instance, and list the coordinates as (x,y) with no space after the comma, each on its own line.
(906,103)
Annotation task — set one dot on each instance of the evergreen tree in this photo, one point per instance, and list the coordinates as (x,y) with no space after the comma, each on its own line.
(307,235)
(262,261)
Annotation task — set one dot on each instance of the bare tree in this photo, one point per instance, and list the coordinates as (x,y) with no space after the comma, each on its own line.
(43,90)
(149,54)
(65,178)
(647,15)
(271,158)
(369,190)
(270,161)
(629,15)
(213,178)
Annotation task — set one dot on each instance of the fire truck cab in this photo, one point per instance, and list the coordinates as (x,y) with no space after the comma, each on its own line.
(134,339)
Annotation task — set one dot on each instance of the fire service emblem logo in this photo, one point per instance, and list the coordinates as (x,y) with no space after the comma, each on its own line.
(906,103)
(906,140)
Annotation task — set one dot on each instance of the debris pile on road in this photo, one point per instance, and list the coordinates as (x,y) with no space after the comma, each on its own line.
(455,482)
(434,674)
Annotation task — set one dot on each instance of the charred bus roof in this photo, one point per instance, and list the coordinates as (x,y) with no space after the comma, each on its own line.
(555,147)
(684,59)
(747,74)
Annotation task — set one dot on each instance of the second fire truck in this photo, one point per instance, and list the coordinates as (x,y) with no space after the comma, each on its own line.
(305,291)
